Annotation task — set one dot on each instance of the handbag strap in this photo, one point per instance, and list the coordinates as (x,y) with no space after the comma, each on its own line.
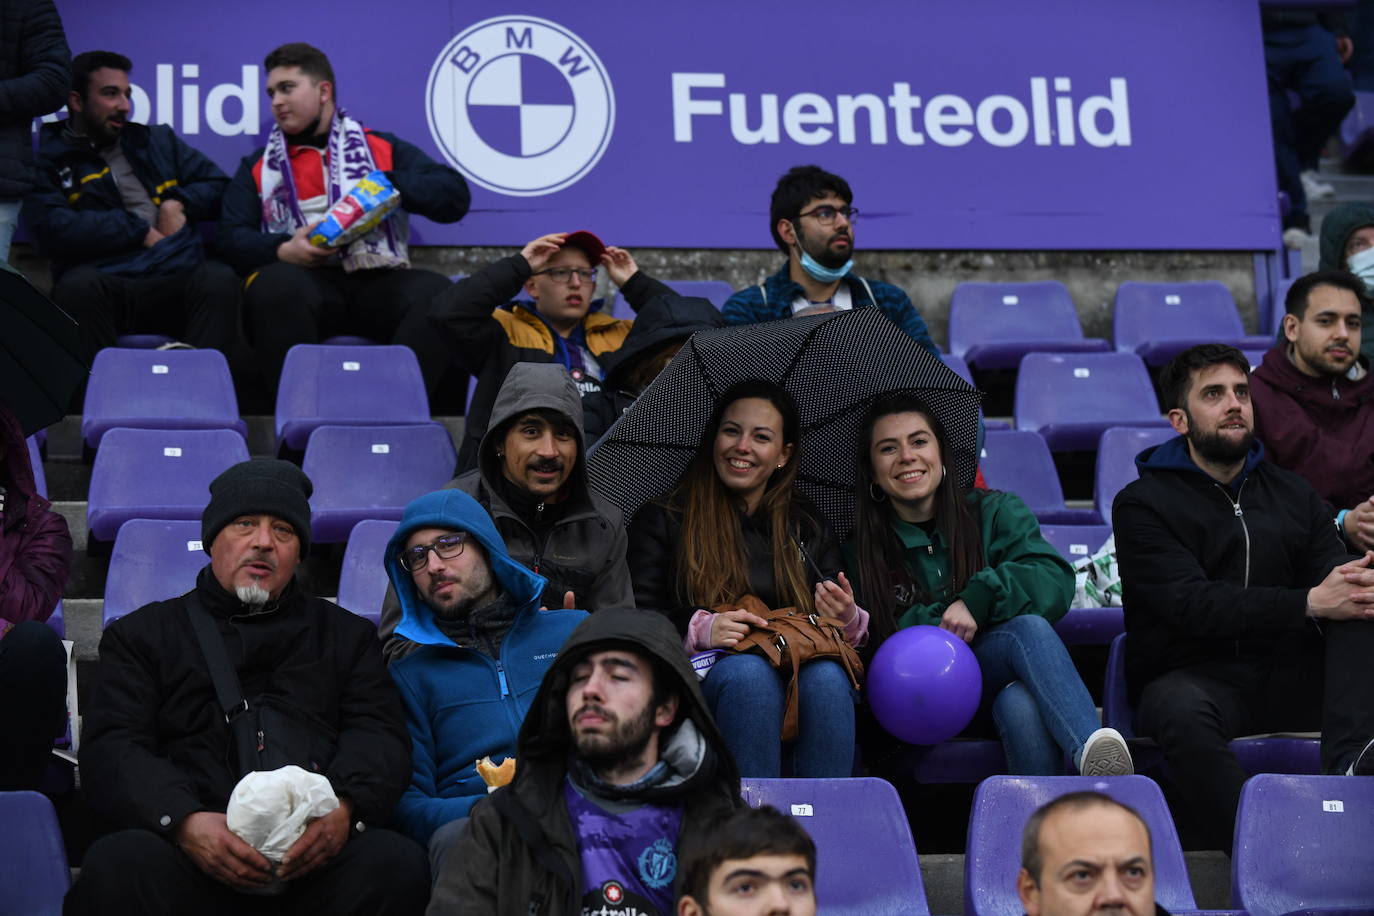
(226,681)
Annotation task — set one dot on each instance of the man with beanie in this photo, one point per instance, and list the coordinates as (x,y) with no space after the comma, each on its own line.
(532,480)
(158,757)
(1347,243)
(618,765)
(483,647)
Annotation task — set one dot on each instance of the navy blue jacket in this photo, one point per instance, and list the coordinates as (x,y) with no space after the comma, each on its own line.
(77,216)
(34,73)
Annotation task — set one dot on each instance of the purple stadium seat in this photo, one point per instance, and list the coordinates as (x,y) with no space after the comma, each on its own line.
(55,621)
(1001,806)
(993,325)
(1303,843)
(33,859)
(1084,626)
(1279,306)
(962,760)
(1260,754)
(347,386)
(1017,460)
(715,291)
(40,479)
(1074,542)
(159,389)
(866,863)
(1158,321)
(1070,400)
(348,340)
(1254,358)
(1116,452)
(142,341)
(959,365)
(372,472)
(152,560)
(157,473)
(1357,130)
(362,581)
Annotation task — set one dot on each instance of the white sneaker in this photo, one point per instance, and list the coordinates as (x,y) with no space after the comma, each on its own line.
(175,345)
(1295,238)
(1105,754)
(1363,764)
(1315,188)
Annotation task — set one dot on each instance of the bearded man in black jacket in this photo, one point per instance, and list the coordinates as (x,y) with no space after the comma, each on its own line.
(159,758)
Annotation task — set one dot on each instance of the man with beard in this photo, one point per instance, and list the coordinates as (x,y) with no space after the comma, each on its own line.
(1244,612)
(116,206)
(1314,399)
(619,764)
(483,646)
(813,224)
(532,480)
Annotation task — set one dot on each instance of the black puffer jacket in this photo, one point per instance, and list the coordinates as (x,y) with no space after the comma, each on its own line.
(35,69)
(657,528)
(519,854)
(155,747)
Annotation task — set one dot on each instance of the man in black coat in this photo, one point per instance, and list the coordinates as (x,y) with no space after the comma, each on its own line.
(1244,611)
(34,65)
(158,758)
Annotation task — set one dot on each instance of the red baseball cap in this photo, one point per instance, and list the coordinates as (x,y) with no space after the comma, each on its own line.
(589,243)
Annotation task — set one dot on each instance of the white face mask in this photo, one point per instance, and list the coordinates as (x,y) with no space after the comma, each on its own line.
(1361,264)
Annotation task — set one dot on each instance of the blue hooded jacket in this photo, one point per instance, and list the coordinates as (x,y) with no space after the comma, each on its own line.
(460,703)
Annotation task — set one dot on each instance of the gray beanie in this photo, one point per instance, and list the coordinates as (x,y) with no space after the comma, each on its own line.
(266,487)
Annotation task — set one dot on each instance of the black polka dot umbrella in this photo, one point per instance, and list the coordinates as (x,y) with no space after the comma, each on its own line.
(834,365)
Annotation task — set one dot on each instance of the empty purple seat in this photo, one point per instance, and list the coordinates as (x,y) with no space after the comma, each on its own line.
(363,581)
(1074,542)
(157,473)
(993,325)
(40,479)
(1254,358)
(1158,321)
(866,863)
(1071,399)
(142,341)
(159,389)
(372,472)
(33,860)
(1001,807)
(714,291)
(1302,843)
(1018,461)
(1116,452)
(152,560)
(347,386)
(55,621)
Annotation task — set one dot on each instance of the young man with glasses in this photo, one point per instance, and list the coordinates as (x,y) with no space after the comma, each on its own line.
(812,222)
(483,648)
(559,322)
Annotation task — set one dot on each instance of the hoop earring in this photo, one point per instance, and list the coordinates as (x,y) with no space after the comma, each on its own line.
(875,492)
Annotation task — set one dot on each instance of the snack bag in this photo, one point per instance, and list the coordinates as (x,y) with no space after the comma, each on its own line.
(358,212)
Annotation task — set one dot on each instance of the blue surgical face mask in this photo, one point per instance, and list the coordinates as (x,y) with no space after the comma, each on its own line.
(819,272)
(1361,264)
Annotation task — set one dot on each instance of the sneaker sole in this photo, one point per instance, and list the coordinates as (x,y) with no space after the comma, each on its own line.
(1107,758)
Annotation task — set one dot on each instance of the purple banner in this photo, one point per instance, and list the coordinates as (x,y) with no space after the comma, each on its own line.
(960,124)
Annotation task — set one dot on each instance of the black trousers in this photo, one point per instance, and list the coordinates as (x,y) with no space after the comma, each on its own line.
(136,871)
(1194,712)
(199,306)
(285,305)
(33,703)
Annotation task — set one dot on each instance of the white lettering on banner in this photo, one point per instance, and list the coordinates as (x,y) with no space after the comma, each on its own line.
(187,118)
(947,119)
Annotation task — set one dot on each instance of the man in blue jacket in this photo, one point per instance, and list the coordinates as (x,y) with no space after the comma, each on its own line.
(813,224)
(116,207)
(484,647)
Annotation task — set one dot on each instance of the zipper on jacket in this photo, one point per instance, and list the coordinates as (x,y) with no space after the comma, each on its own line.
(1245,529)
(1335,392)
(501,676)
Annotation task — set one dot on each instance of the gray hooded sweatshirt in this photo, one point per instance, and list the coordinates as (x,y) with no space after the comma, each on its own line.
(584,550)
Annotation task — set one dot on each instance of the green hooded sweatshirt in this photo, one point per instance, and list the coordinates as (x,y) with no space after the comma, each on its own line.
(1337,226)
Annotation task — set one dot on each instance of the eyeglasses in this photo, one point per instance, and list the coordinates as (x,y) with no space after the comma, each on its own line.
(825,214)
(445,547)
(564,274)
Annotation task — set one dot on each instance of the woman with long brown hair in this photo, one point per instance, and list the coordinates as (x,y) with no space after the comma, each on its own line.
(733,526)
(973,562)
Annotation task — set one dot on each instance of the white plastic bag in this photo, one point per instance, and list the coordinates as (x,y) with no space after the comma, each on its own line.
(269,808)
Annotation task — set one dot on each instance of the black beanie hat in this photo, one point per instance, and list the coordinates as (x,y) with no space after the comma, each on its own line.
(267,487)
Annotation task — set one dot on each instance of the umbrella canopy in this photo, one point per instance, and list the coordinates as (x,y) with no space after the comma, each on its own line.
(39,366)
(834,365)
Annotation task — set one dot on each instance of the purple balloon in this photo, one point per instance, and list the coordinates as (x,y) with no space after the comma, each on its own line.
(924,685)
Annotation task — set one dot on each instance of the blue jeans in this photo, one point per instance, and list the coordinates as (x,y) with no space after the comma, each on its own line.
(1039,704)
(748,697)
(9,219)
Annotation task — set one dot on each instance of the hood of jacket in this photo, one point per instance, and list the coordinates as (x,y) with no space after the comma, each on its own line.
(1173,456)
(534,386)
(663,318)
(545,737)
(452,509)
(1337,227)
(1277,371)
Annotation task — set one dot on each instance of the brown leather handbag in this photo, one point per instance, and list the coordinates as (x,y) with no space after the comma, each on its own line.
(790,640)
